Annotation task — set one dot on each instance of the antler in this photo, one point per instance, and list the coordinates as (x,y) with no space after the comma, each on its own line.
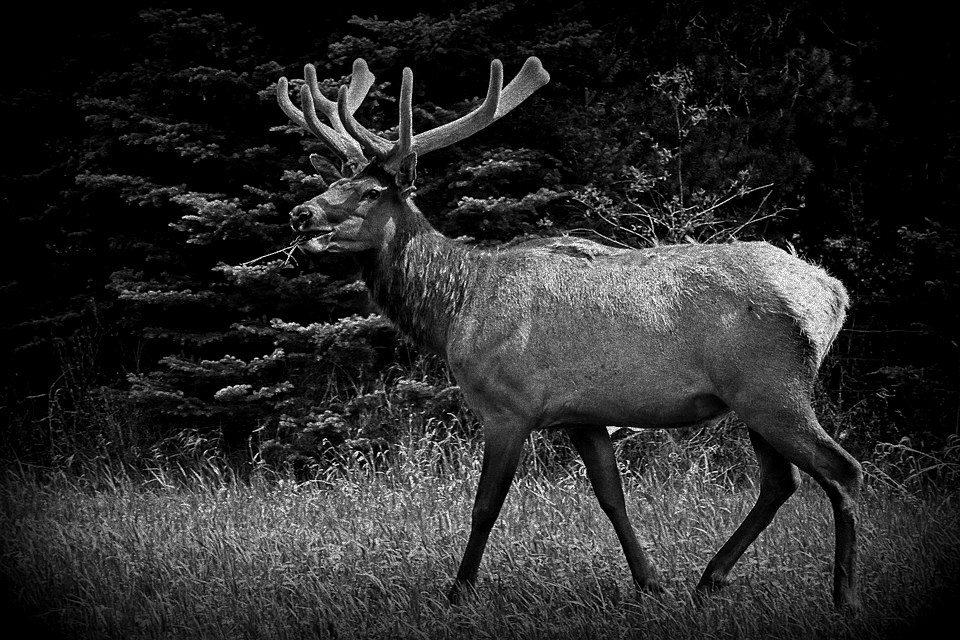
(355,144)
(312,100)
(497,104)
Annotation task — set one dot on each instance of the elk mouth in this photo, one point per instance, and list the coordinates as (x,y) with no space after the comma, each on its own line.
(314,242)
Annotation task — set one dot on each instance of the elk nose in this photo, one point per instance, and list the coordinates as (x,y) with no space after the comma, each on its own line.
(299,216)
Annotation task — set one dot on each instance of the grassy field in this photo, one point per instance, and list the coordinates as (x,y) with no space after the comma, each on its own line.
(371,555)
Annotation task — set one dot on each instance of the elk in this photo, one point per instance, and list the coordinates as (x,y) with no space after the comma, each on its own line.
(568,333)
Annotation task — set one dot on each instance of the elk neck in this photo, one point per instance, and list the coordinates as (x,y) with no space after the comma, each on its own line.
(419,278)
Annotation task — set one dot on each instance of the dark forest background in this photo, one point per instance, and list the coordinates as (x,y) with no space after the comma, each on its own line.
(146,160)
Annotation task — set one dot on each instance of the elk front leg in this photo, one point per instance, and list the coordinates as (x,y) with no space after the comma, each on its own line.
(594,446)
(501,454)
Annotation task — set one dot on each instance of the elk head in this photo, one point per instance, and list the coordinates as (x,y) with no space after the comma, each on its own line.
(363,209)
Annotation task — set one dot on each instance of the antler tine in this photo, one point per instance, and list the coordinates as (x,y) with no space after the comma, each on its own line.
(283,98)
(320,102)
(373,145)
(452,132)
(342,144)
(530,78)
(405,139)
(336,137)
(360,82)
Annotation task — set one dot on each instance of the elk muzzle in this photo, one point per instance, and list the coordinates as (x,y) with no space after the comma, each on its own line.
(315,230)
(302,216)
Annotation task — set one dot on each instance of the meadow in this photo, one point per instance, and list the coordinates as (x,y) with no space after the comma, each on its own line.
(369,552)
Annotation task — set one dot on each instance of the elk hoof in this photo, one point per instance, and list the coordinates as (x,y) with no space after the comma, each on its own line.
(847,604)
(706,588)
(711,585)
(458,591)
(651,587)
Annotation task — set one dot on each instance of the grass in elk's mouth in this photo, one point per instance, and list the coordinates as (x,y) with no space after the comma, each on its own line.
(287,251)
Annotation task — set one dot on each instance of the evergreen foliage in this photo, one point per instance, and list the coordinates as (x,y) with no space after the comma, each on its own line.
(151,163)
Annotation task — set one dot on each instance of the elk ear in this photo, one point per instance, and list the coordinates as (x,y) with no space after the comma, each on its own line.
(325,169)
(407,174)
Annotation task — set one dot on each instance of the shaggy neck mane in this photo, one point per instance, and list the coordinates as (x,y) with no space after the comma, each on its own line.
(420,279)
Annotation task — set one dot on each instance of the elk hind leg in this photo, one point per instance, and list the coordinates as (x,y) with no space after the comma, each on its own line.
(779,479)
(595,448)
(797,435)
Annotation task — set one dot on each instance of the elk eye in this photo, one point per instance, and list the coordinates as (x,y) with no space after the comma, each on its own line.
(371,194)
